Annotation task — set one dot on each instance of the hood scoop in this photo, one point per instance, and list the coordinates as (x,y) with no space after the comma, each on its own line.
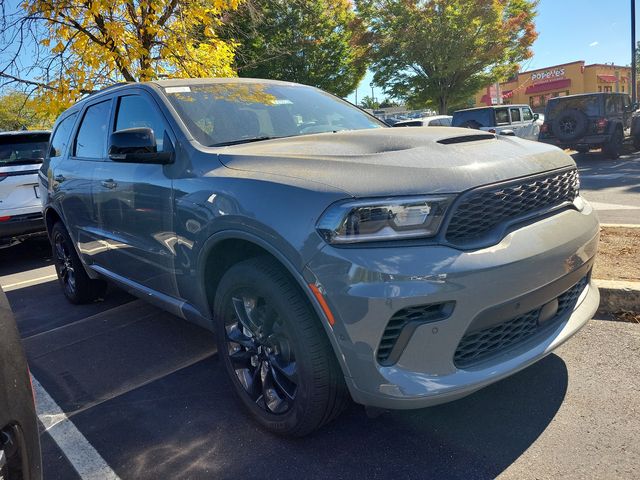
(467,138)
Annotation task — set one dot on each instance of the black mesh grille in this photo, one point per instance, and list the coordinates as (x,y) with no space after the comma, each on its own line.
(397,323)
(482,211)
(482,344)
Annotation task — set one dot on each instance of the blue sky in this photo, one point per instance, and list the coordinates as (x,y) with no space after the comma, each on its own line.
(569,30)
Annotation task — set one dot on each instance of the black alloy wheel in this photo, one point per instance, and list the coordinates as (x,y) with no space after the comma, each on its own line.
(261,352)
(76,284)
(275,350)
(64,264)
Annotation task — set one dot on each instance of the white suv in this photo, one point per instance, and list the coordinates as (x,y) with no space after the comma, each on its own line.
(21,154)
(516,120)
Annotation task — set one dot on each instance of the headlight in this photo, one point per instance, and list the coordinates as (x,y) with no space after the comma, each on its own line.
(386,219)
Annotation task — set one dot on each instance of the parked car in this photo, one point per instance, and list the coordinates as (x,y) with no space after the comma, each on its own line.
(334,257)
(433,121)
(590,120)
(516,120)
(19,436)
(21,154)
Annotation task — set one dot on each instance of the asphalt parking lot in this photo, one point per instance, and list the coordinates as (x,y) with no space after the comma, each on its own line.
(612,186)
(148,394)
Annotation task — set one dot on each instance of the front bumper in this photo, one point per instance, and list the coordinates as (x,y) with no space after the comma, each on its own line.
(364,287)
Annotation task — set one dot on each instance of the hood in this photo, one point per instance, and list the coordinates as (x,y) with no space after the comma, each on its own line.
(397,161)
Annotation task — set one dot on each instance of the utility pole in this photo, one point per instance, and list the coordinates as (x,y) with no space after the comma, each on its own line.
(634,85)
(373,99)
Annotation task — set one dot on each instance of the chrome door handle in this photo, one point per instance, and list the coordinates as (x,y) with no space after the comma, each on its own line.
(109,184)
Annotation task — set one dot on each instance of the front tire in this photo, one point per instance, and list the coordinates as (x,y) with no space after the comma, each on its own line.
(75,283)
(275,350)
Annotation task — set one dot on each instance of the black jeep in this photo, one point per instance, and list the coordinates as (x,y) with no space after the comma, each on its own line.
(592,120)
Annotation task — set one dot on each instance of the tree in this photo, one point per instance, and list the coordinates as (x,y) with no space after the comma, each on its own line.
(368,102)
(440,52)
(18,111)
(82,45)
(322,43)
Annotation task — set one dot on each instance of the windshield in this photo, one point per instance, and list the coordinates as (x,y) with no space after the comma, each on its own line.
(220,114)
(23,149)
(589,104)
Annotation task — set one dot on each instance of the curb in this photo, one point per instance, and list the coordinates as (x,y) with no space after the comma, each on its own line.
(620,225)
(616,296)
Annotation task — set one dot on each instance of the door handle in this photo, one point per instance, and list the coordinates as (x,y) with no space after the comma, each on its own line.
(59,178)
(109,183)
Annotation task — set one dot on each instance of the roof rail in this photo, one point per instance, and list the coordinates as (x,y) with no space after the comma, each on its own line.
(118,84)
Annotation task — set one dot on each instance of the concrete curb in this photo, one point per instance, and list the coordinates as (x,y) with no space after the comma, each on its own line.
(620,225)
(616,296)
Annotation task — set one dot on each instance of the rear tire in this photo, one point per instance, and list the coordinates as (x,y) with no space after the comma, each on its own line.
(613,147)
(75,283)
(275,350)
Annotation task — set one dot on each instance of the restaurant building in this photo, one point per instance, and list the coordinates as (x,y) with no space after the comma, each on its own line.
(536,87)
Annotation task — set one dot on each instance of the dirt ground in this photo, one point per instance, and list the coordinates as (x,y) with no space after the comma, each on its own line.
(618,255)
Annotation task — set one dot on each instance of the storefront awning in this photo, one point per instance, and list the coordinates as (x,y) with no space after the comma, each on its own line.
(607,78)
(545,87)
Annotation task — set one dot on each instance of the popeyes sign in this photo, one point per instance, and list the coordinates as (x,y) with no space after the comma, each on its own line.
(553,74)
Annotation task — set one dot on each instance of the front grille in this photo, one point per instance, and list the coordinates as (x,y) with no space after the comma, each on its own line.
(400,319)
(482,211)
(483,344)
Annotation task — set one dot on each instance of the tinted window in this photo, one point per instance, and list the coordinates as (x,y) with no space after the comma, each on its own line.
(589,104)
(527,115)
(613,105)
(61,136)
(515,114)
(224,113)
(502,116)
(445,122)
(482,116)
(92,136)
(23,149)
(135,111)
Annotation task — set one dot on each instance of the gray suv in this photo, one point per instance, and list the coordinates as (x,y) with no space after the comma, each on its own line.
(334,258)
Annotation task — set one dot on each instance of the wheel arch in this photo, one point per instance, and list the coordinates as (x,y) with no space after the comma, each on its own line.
(224,249)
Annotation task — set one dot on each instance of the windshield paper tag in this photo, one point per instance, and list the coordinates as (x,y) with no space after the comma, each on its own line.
(177,90)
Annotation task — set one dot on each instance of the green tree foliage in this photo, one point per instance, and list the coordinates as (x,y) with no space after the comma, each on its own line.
(368,102)
(18,111)
(437,53)
(316,42)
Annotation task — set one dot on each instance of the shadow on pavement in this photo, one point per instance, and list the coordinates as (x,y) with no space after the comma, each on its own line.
(150,396)
(27,255)
(42,307)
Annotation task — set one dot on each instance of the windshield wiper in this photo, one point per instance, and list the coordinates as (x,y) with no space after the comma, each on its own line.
(243,140)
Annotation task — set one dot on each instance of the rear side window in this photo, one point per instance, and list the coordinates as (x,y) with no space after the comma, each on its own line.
(135,111)
(502,116)
(613,105)
(515,114)
(92,135)
(483,117)
(23,149)
(61,137)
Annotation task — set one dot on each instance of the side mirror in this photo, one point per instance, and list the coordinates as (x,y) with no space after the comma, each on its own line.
(536,117)
(136,145)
